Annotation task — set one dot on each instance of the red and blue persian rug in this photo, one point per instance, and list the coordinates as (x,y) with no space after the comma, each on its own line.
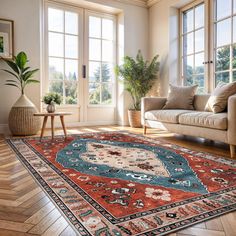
(121,184)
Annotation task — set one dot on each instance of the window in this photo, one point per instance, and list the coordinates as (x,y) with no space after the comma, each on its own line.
(225,41)
(193,46)
(201,64)
(81,56)
(101,60)
(63,57)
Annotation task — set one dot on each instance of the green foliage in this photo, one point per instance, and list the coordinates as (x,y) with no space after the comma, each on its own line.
(104,76)
(51,98)
(20,71)
(138,76)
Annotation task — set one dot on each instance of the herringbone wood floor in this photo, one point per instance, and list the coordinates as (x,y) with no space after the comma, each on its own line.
(26,210)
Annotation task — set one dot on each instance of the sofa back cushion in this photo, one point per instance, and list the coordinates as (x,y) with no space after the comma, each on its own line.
(200,101)
(219,97)
(181,97)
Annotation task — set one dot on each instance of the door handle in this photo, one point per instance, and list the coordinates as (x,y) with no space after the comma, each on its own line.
(84,71)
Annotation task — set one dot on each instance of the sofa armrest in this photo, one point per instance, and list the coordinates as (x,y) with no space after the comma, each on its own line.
(232,120)
(149,104)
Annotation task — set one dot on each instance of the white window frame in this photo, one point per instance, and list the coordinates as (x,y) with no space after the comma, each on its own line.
(86,40)
(214,40)
(206,36)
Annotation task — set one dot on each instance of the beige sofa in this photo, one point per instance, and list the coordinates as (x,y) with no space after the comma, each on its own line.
(219,126)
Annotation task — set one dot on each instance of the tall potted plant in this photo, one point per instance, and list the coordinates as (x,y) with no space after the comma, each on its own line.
(138,76)
(21,119)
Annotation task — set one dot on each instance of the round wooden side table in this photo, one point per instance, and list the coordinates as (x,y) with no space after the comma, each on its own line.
(53,115)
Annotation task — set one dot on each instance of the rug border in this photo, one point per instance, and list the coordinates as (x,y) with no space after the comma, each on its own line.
(8,141)
(18,154)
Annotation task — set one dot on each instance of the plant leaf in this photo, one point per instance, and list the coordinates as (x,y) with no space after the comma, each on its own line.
(13,66)
(21,60)
(29,81)
(27,75)
(12,81)
(14,85)
(10,72)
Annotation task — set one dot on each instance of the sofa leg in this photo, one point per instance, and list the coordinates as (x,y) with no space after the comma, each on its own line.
(144,129)
(232,150)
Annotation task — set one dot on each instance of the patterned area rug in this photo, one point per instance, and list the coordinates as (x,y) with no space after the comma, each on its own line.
(120,184)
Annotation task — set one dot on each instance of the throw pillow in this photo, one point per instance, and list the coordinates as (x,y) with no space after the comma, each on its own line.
(181,97)
(219,97)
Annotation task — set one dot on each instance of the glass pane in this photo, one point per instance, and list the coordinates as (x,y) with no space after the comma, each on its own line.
(106,72)
(234,75)
(223,30)
(71,69)
(199,66)
(94,71)
(56,87)
(106,93)
(234,56)
(188,44)
(71,92)
(234,29)
(94,27)
(188,70)
(223,58)
(56,68)
(95,49)
(94,93)
(71,46)
(199,16)
(234,6)
(55,20)
(222,77)
(223,8)
(71,23)
(107,29)
(188,21)
(56,47)
(107,51)
(199,79)
(199,40)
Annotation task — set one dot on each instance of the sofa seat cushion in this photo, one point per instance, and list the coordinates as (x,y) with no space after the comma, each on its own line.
(205,119)
(167,116)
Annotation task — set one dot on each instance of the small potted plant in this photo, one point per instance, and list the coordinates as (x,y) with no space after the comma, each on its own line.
(138,77)
(50,100)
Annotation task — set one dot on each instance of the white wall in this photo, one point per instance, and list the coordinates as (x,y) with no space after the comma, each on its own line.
(26,15)
(163,40)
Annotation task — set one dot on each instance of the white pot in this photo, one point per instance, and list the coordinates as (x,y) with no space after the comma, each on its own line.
(51,108)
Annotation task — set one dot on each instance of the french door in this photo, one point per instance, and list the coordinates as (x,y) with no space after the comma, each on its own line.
(80,55)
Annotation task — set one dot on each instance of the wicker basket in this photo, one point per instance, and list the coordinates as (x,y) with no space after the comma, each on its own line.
(134,118)
(21,118)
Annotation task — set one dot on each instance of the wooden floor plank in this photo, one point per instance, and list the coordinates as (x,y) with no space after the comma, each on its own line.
(56,228)
(16,226)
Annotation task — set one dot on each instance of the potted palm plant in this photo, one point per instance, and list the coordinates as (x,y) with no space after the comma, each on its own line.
(138,76)
(21,119)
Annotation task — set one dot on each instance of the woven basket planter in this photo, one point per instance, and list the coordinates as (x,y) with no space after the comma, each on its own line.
(21,119)
(134,118)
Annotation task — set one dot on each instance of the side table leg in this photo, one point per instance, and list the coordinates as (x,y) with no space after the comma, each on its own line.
(43,127)
(52,126)
(63,125)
